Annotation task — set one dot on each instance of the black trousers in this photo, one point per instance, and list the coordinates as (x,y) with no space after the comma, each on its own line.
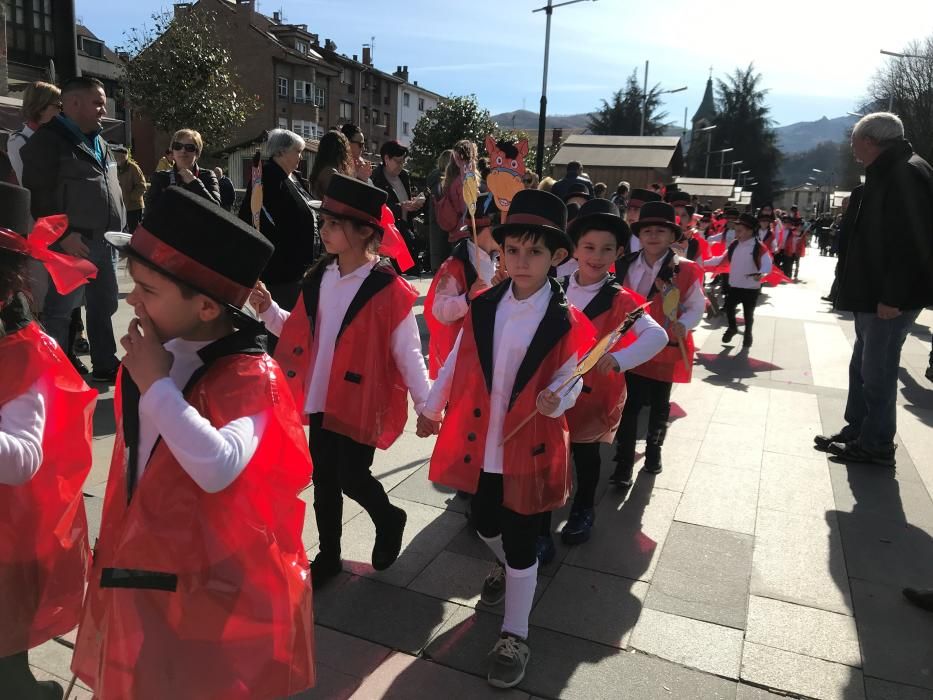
(641,391)
(16,679)
(788,262)
(586,464)
(748,298)
(491,518)
(342,466)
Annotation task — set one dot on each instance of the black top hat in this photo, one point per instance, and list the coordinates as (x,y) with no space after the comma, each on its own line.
(765,216)
(599,214)
(657,214)
(349,198)
(578,189)
(536,210)
(190,239)
(748,220)
(677,198)
(706,215)
(393,149)
(730,211)
(14,208)
(573,210)
(638,197)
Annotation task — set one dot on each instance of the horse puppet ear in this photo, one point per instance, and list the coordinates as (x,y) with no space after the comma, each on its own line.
(491,147)
(522,149)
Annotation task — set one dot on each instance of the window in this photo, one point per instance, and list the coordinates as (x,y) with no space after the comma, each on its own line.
(406,99)
(386,122)
(796,197)
(365,115)
(344,75)
(283,87)
(304,128)
(91,47)
(385,100)
(420,104)
(283,123)
(319,96)
(346,111)
(405,128)
(29,30)
(301,46)
(304,91)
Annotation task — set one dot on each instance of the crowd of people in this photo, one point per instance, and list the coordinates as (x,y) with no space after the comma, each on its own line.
(552,322)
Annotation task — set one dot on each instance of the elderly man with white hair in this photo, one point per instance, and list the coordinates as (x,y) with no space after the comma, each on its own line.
(885,279)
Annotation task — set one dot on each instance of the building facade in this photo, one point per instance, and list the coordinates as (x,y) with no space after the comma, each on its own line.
(40,41)
(96,60)
(414,102)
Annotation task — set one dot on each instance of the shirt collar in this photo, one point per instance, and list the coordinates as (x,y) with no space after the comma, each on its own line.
(361,271)
(644,263)
(595,287)
(539,300)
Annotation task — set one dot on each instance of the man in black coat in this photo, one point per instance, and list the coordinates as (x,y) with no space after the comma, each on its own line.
(885,280)
(392,177)
(563,186)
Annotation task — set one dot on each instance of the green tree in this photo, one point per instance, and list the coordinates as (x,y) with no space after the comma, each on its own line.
(440,128)
(623,116)
(181,75)
(743,123)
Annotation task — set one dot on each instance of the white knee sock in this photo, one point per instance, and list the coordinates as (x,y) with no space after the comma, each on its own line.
(495,545)
(519,596)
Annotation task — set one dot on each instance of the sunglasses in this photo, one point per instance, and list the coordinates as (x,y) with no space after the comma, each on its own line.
(187,147)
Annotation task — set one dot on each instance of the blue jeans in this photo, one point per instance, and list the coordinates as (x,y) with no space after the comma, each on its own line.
(876,358)
(101,301)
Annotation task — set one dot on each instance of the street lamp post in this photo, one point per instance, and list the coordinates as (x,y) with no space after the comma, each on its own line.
(722,159)
(542,112)
(897,55)
(644,101)
(709,146)
(732,168)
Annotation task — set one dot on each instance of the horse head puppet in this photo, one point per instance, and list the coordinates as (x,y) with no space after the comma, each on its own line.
(507,168)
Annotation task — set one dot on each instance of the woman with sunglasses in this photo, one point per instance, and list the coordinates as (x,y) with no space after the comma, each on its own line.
(186,147)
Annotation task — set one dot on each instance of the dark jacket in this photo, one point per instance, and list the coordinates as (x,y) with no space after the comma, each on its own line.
(402,220)
(561,188)
(205,184)
(65,177)
(888,253)
(227,193)
(287,221)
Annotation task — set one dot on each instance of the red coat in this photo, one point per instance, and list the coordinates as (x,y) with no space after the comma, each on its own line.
(536,477)
(367,399)
(596,414)
(668,365)
(43,526)
(195,594)
(443,335)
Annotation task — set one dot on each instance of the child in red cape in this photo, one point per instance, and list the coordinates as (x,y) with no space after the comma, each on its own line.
(351,351)
(520,341)
(46,411)
(200,586)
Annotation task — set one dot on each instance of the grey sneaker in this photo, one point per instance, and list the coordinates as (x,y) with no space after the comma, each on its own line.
(507,661)
(494,586)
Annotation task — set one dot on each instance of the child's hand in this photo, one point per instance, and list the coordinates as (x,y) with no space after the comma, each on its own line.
(260,299)
(548,402)
(607,363)
(146,360)
(427,427)
(477,288)
(501,275)
(679,330)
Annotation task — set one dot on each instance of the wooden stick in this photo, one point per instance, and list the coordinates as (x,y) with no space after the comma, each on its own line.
(475,239)
(683,353)
(70,687)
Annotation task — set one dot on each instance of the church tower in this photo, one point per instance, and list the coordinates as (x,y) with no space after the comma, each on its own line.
(704,117)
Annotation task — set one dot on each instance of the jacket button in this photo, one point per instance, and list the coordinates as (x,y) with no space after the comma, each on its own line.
(290,373)
(467,459)
(471,437)
(298,351)
(477,413)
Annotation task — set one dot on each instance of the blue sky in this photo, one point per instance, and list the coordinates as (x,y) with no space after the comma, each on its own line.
(815,56)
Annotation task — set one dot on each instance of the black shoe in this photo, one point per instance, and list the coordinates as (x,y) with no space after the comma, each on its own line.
(929,374)
(729,334)
(822,442)
(50,690)
(389,540)
(622,476)
(78,365)
(747,339)
(107,376)
(545,549)
(323,569)
(921,597)
(853,452)
(827,298)
(652,459)
(578,527)
(81,346)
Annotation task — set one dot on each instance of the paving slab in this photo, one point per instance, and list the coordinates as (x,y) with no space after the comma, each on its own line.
(629,533)
(795,484)
(746,409)
(426,534)
(800,674)
(885,551)
(330,685)
(799,559)
(419,489)
(802,630)
(736,446)
(793,420)
(382,613)
(897,638)
(54,658)
(703,574)
(879,492)
(679,457)
(790,354)
(876,689)
(751,692)
(700,645)
(604,607)
(913,428)
(467,543)
(347,654)
(721,497)
(829,351)
(79,692)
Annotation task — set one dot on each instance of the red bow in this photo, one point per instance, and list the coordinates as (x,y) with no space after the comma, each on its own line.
(393,245)
(67,272)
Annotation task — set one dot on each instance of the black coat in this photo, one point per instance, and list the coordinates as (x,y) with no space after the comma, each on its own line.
(227,193)
(888,253)
(402,220)
(205,184)
(561,188)
(287,221)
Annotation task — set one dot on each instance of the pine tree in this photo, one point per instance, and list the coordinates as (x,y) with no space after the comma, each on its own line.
(623,116)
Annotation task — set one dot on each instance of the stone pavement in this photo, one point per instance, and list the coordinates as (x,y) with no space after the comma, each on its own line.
(751,568)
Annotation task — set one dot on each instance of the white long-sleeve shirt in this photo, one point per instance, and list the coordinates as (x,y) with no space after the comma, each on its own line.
(640,276)
(212,457)
(450,302)
(516,323)
(22,425)
(335,296)
(650,338)
(742,265)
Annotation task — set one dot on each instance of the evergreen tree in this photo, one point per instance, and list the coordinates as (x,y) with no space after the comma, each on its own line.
(440,128)
(623,116)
